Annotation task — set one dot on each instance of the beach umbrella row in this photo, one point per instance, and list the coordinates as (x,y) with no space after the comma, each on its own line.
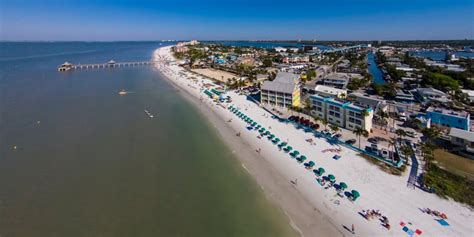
(355,194)
(342,185)
(295,153)
(320,171)
(288,148)
(301,158)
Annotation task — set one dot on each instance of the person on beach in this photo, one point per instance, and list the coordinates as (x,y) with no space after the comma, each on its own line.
(353,229)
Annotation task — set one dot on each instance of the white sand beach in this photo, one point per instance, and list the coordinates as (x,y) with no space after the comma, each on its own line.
(314,210)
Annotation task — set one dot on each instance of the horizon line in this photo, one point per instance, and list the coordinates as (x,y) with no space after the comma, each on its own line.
(241,40)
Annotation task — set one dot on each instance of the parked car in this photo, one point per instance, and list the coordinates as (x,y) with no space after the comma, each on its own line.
(373,140)
(351,141)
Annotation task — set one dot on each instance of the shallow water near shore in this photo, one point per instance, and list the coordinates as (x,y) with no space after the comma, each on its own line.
(91,163)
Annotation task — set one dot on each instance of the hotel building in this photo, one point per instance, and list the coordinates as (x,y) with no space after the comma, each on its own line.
(449,118)
(341,113)
(284,91)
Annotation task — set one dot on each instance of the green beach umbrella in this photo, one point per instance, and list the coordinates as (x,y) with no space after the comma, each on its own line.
(283,144)
(331,177)
(289,148)
(343,185)
(258,126)
(302,158)
(355,194)
(271,136)
(295,153)
(311,163)
(276,140)
(321,170)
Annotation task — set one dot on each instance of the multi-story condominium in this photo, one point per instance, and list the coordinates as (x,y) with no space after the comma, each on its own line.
(284,91)
(342,113)
(367,101)
(338,80)
(429,94)
(462,140)
(449,118)
(328,91)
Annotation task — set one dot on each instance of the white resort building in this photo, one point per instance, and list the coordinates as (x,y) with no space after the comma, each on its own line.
(329,91)
(341,113)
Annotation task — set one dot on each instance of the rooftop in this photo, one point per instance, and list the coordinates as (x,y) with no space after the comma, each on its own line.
(460,133)
(439,110)
(337,76)
(284,82)
(329,90)
(367,100)
(431,91)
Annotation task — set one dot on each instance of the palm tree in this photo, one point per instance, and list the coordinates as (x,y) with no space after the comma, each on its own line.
(431,134)
(334,128)
(392,142)
(308,105)
(358,131)
(325,122)
(364,113)
(400,133)
(427,152)
(316,119)
(383,116)
(407,151)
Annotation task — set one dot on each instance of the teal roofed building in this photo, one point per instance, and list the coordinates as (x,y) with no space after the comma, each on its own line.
(341,113)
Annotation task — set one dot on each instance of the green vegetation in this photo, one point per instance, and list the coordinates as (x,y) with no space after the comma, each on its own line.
(447,184)
(394,73)
(384,166)
(358,131)
(387,90)
(463,78)
(447,173)
(311,74)
(357,83)
(440,81)
(454,163)
(267,62)
(413,61)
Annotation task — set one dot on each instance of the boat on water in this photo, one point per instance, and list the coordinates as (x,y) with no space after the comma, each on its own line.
(123,92)
(149,114)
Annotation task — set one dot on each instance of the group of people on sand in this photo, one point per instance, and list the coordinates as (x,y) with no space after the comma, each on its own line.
(310,140)
(332,150)
(435,213)
(370,214)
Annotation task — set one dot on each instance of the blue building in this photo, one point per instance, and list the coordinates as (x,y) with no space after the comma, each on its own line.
(342,113)
(449,118)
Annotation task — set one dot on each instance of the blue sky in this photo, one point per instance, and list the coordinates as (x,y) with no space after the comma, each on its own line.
(239,19)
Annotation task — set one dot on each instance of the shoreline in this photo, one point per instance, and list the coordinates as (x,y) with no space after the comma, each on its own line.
(312,209)
(276,188)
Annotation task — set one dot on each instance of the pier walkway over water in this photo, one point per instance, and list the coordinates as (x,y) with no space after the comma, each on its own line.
(111,64)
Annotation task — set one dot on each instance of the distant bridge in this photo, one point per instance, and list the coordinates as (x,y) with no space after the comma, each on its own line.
(111,64)
(345,49)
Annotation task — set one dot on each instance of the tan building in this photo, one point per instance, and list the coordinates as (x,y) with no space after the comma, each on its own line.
(284,91)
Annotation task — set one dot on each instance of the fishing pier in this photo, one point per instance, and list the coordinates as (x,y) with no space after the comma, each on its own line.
(111,64)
